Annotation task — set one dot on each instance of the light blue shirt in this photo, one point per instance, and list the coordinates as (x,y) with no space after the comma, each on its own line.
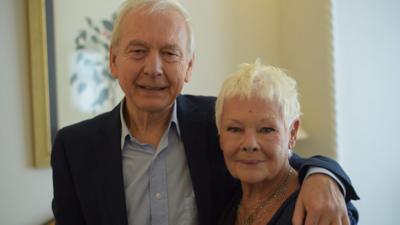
(158,187)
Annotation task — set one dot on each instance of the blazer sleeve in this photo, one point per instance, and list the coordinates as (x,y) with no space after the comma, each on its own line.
(303,164)
(65,204)
(352,213)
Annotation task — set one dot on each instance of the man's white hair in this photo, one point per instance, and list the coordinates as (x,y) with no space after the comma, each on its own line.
(264,82)
(152,6)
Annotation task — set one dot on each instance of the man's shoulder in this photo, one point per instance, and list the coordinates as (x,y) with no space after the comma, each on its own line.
(205,103)
(198,98)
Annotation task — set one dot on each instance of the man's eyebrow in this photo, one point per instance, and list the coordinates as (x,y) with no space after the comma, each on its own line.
(136,43)
(171,46)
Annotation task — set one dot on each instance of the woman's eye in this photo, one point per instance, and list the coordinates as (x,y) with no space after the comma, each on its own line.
(138,51)
(171,53)
(234,129)
(267,130)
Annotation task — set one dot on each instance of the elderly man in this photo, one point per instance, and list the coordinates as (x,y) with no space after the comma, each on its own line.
(155,158)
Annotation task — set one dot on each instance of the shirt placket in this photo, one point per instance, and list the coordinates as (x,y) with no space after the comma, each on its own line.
(158,191)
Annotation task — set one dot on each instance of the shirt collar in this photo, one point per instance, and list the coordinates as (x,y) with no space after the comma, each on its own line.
(124,128)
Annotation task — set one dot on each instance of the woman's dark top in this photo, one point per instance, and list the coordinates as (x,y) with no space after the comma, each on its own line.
(283,215)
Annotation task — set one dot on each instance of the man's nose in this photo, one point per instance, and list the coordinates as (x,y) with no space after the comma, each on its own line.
(249,143)
(153,65)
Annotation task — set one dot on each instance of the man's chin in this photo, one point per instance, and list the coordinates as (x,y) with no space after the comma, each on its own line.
(154,106)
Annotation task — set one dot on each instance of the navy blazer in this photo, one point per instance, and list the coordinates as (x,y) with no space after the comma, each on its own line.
(87,167)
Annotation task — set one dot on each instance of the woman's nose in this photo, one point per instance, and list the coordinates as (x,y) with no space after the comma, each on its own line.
(249,149)
(250,143)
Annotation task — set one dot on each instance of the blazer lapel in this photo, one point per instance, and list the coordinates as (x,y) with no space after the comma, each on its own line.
(110,163)
(193,126)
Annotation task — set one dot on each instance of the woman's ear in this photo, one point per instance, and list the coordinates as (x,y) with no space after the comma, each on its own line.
(294,128)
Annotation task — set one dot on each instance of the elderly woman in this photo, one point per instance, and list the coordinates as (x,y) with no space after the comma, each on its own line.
(257,115)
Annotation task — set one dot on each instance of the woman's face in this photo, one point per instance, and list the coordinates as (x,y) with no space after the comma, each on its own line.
(254,139)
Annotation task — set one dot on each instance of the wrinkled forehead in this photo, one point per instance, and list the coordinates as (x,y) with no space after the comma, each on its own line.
(253,105)
(165,23)
(145,11)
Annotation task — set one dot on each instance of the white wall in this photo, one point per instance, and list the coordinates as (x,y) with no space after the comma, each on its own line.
(211,32)
(25,192)
(228,33)
(305,49)
(255,32)
(367,72)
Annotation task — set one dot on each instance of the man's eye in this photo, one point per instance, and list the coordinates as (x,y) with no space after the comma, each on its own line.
(267,130)
(137,53)
(234,129)
(171,56)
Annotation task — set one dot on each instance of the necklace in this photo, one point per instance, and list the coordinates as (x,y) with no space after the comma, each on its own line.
(278,193)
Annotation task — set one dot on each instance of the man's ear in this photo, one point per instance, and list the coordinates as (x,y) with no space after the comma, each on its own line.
(112,62)
(189,70)
(294,128)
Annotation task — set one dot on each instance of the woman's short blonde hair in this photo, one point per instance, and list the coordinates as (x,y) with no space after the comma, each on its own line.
(264,82)
(152,6)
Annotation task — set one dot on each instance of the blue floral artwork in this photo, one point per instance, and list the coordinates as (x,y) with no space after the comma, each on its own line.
(94,89)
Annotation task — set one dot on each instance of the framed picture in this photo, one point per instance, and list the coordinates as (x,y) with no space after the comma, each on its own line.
(70,80)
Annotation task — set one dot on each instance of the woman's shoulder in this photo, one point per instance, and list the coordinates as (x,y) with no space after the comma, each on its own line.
(284,214)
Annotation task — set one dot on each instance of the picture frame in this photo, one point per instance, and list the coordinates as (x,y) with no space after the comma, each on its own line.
(39,83)
(68,62)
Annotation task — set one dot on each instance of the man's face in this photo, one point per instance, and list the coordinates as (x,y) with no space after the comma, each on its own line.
(151,60)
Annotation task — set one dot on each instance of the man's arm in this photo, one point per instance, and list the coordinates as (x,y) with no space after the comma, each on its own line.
(65,205)
(320,200)
(302,165)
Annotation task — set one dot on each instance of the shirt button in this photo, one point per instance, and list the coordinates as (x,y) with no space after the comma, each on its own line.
(158,196)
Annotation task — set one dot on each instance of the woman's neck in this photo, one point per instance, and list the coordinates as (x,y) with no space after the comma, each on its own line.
(260,201)
(253,192)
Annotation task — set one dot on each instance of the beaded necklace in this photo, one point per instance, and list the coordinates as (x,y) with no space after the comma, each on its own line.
(278,193)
